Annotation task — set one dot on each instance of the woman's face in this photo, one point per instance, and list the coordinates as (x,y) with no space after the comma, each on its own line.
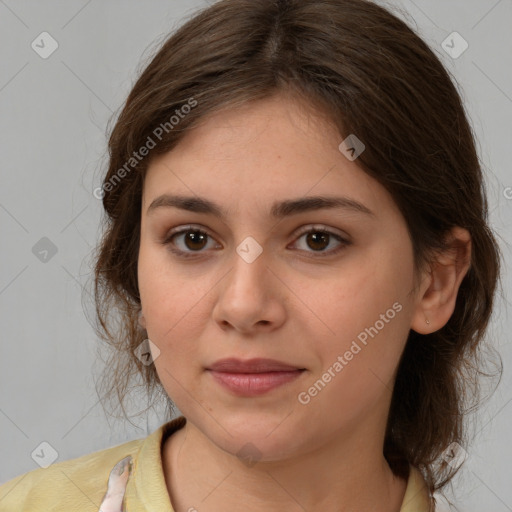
(257,285)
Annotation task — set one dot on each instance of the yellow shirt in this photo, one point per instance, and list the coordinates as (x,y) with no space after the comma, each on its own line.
(80,484)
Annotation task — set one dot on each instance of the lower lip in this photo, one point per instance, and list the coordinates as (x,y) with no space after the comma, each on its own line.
(254,384)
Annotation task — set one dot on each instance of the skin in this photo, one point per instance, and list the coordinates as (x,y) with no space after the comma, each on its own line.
(291,304)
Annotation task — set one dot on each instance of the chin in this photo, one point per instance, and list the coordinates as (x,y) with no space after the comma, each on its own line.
(266,439)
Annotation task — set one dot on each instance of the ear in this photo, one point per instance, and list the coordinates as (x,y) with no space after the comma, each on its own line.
(440,285)
(142,320)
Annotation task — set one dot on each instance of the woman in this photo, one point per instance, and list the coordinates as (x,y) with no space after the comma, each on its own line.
(297,242)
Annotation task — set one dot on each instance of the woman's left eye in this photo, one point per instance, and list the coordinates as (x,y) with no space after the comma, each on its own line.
(195,239)
(319,238)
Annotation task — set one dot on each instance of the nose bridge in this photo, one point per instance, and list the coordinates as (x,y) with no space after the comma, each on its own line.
(247,284)
(249,263)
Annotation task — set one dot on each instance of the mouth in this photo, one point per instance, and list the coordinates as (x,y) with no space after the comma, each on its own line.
(253,377)
(256,365)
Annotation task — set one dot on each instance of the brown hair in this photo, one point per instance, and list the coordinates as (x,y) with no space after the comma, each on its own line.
(372,76)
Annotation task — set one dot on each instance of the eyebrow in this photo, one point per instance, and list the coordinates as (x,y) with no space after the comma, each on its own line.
(279,209)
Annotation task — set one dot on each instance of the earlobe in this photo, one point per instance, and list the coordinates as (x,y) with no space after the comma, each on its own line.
(438,292)
(142,320)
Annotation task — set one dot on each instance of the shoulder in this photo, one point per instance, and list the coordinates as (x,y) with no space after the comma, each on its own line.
(77,484)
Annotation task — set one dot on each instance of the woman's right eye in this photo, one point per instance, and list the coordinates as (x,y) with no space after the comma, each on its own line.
(194,239)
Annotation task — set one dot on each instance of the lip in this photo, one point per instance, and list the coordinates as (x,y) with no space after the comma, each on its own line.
(256,365)
(253,377)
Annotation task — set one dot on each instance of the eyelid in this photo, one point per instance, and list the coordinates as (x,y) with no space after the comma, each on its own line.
(322,228)
(302,230)
(183,228)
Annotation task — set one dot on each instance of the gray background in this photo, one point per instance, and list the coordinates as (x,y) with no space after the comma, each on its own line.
(54,114)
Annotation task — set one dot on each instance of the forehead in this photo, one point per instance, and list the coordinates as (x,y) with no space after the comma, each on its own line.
(254,154)
(278,126)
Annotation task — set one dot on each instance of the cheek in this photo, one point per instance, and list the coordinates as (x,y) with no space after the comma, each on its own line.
(174,301)
(358,363)
(165,292)
(367,314)
(362,292)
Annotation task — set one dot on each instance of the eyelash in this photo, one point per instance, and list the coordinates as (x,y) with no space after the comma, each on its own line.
(187,229)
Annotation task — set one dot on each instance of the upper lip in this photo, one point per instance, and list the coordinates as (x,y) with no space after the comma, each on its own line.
(257,365)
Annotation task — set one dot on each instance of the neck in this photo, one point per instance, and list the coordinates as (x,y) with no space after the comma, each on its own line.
(343,474)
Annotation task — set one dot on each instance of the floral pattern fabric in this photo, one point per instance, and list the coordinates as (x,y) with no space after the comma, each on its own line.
(113,501)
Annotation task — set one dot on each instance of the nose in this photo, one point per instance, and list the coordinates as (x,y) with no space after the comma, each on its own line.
(251,296)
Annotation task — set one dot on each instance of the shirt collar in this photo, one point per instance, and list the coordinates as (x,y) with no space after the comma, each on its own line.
(147,481)
(417,496)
